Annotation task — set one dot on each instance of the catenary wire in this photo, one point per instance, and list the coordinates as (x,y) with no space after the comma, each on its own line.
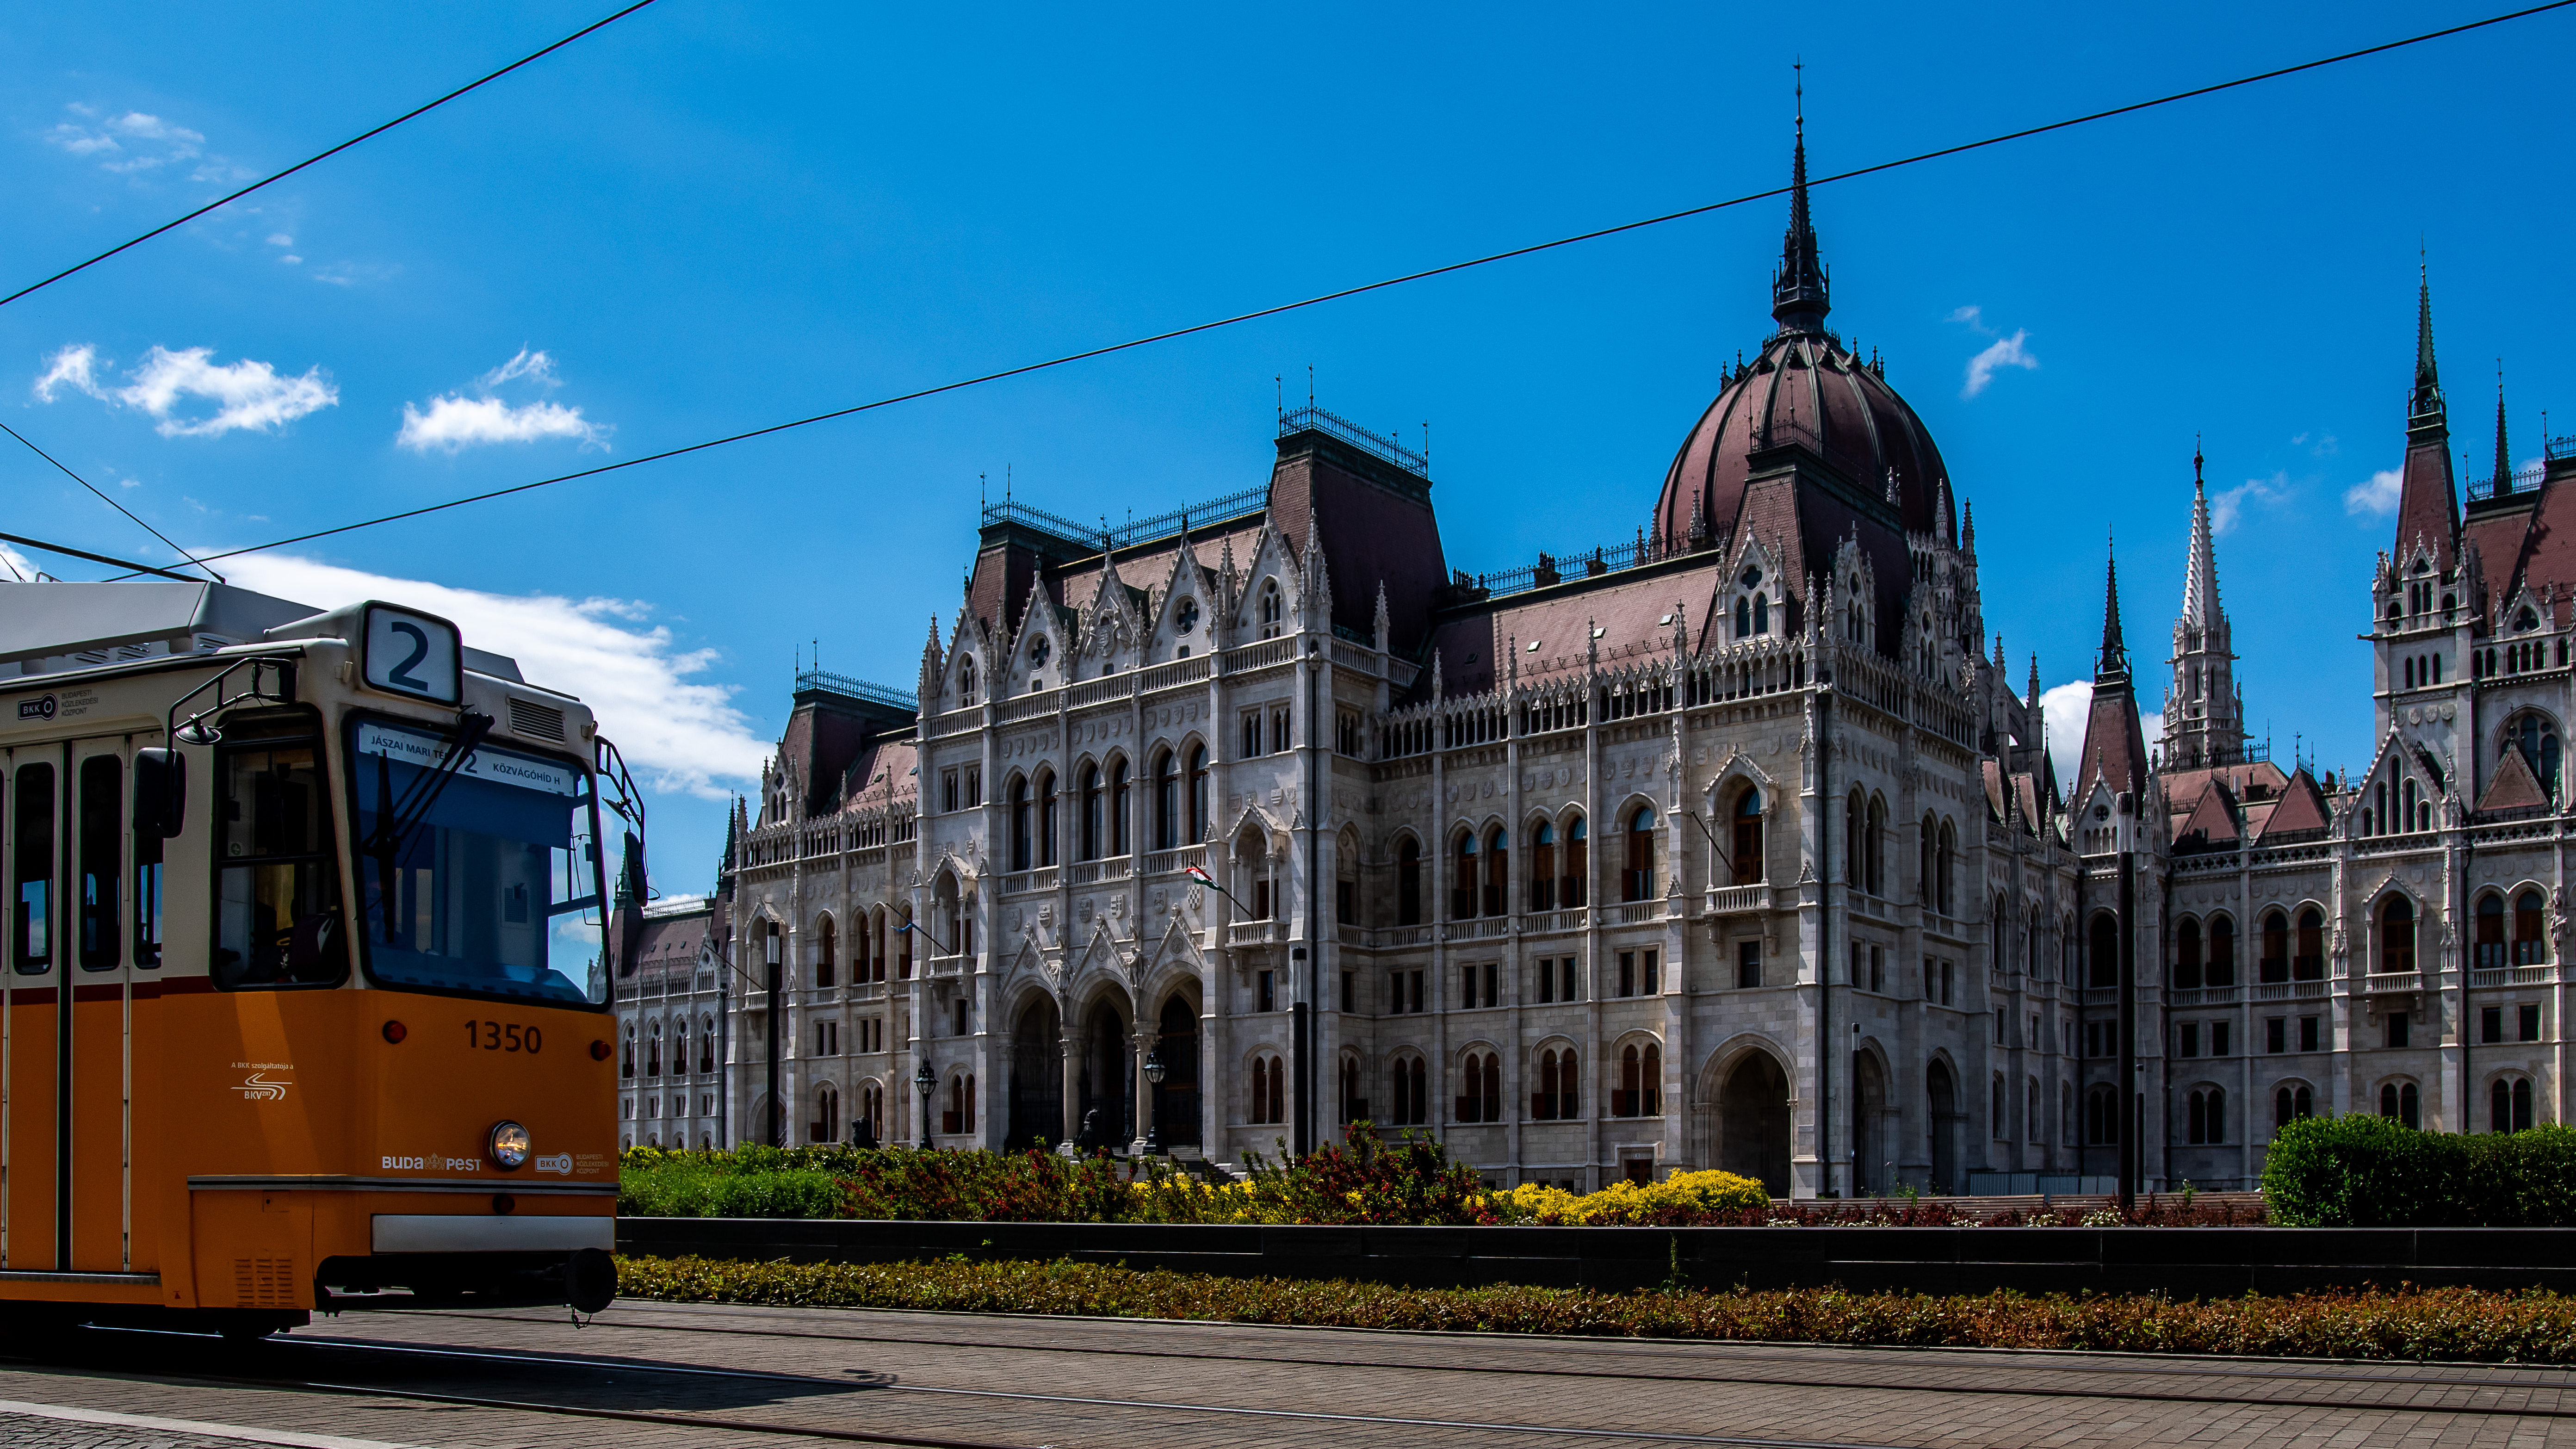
(103,498)
(1396,281)
(412,114)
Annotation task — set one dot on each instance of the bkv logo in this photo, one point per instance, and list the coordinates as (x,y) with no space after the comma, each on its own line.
(258,1088)
(41,707)
(560,1162)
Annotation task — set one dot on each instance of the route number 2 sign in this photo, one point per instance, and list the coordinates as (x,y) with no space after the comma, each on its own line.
(412,654)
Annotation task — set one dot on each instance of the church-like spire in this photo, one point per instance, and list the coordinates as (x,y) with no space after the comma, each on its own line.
(2504,454)
(2114,658)
(2427,403)
(1798,300)
(2200,573)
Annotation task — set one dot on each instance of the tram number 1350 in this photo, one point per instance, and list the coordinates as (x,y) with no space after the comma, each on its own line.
(493,1036)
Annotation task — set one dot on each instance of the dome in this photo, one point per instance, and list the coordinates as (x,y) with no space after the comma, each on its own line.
(1805,391)
(1805,394)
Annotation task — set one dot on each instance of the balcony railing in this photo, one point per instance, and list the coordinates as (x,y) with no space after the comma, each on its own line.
(1164,862)
(1739,900)
(1255,933)
(2203,996)
(949,966)
(2514,976)
(1632,913)
(1481,928)
(1298,420)
(2289,990)
(1093,872)
(1548,923)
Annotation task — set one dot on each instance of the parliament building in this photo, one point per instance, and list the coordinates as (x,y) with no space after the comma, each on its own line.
(1732,845)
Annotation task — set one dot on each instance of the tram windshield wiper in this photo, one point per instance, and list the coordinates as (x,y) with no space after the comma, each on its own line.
(398,819)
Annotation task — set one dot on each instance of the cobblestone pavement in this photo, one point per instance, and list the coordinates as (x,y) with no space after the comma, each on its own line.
(785,1377)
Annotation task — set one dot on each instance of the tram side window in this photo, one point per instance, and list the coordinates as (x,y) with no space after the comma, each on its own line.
(277,894)
(102,793)
(31,871)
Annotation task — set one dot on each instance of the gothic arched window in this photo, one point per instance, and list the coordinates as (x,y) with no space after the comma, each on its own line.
(2537,737)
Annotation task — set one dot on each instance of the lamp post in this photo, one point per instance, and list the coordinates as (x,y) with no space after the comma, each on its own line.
(1155,1071)
(924,1079)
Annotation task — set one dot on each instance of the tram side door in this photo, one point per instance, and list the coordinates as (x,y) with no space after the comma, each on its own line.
(65,1065)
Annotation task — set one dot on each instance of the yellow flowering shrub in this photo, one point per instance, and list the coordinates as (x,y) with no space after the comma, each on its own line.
(1683,1198)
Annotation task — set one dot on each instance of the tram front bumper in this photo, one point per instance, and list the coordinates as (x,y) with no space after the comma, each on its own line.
(455,1233)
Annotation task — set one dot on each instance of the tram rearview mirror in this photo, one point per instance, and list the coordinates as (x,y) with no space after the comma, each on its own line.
(160,792)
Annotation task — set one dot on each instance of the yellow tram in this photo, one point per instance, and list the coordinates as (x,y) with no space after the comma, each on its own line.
(303,1003)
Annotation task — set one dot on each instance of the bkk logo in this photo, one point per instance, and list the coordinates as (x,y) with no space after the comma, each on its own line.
(258,1088)
(560,1162)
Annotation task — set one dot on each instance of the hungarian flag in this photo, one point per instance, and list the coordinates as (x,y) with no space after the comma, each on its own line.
(1199,873)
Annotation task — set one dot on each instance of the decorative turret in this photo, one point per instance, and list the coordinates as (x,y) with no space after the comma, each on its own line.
(2428,498)
(2504,454)
(2112,662)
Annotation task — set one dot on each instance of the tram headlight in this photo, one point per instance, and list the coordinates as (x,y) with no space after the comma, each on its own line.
(510,1146)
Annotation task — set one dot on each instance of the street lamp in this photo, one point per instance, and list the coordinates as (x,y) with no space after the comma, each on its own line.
(923,1078)
(1155,1071)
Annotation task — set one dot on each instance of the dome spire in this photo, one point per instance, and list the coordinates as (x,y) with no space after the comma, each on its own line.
(2427,404)
(2114,658)
(1798,289)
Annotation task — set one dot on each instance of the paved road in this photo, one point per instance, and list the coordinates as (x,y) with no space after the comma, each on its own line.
(644,1376)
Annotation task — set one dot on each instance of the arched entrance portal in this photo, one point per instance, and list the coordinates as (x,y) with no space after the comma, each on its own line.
(1753,1123)
(1108,1080)
(1037,1076)
(1944,1125)
(1872,1168)
(1176,1101)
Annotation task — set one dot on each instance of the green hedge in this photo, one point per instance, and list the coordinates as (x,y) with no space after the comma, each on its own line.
(2443,1323)
(2375,1172)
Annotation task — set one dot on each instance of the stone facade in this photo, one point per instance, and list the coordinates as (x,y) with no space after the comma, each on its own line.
(1732,845)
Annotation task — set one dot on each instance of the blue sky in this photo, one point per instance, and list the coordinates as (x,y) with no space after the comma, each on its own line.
(713,216)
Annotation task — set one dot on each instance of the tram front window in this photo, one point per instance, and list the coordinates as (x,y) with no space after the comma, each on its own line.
(277,913)
(483,878)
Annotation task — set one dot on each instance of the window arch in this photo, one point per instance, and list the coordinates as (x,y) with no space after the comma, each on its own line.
(1559,1095)
(2509,1104)
(1167,802)
(1747,859)
(1480,1087)
(2290,1103)
(1542,856)
(706,1043)
(2104,949)
(826,952)
(1412,1083)
(2536,736)
(966,681)
(1947,858)
(2274,964)
(2401,1101)
(1087,834)
(1046,817)
(2397,935)
(1855,852)
(1573,886)
(1354,1105)
(653,1051)
(1743,617)
(2207,1117)
(2222,951)
(1462,877)
(1120,823)
(1022,839)
(1408,882)
(2489,939)
(1498,873)
(2530,936)
(2101,1117)
(626,1058)
(2309,964)
(1637,881)
(1641,1081)
(826,1124)
(1267,1101)
(1271,610)
(960,1115)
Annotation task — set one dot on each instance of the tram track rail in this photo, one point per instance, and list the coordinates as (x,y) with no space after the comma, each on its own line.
(297,1371)
(2483,1378)
(705,1421)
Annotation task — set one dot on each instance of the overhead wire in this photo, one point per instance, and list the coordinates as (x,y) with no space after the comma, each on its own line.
(321,156)
(1403,279)
(110,502)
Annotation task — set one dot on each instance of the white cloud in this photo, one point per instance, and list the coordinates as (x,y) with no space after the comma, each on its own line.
(247,394)
(1973,315)
(280,239)
(2227,505)
(2377,495)
(456,421)
(683,735)
(132,143)
(19,568)
(2003,352)
(74,367)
